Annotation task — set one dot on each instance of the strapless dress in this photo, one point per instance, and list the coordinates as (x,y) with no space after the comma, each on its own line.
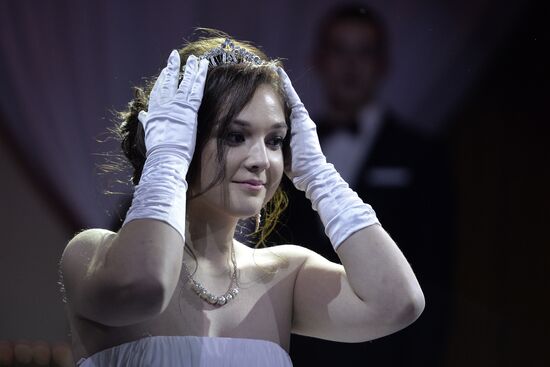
(191,351)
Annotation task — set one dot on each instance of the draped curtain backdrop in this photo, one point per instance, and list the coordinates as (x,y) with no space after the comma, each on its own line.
(65,65)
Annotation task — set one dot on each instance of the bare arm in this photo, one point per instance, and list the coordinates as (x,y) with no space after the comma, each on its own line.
(373,294)
(122,278)
(127,277)
(381,276)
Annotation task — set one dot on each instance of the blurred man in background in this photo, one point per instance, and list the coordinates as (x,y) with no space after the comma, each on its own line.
(400,172)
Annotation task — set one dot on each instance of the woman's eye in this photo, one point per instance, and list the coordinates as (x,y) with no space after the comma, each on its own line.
(276,141)
(234,138)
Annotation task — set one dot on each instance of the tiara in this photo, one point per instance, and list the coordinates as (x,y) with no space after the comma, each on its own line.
(228,53)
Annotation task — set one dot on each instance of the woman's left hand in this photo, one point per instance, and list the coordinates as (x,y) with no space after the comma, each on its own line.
(307,159)
(340,209)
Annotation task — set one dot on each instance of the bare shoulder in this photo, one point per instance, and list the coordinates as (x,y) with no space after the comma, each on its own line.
(285,257)
(294,252)
(87,240)
(295,255)
(300,253)
(83,250)
(304,265)
(91,235)
(310,262)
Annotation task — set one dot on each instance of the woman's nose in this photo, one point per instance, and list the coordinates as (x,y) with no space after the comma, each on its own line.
(258,159)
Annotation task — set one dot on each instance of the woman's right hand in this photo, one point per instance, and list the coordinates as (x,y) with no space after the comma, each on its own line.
(171,119)
(145,255)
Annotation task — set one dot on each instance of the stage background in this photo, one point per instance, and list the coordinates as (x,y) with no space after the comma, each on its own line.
(472,73)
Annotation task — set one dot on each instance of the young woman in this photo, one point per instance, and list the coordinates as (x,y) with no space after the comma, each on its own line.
(209,143)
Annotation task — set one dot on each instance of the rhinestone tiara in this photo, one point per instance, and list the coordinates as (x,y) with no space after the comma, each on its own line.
(228,53)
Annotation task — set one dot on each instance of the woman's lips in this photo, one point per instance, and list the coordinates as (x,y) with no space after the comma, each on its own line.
(251,185)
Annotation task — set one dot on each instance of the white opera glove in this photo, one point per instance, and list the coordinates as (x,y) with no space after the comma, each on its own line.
(170,126)
(341,210)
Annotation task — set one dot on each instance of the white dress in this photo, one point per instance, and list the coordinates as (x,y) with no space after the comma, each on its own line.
(191,351)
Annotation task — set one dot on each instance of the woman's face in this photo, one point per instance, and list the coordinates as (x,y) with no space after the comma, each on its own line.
(254,160)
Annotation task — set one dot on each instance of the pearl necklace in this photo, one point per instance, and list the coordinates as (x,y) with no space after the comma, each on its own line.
(209,297)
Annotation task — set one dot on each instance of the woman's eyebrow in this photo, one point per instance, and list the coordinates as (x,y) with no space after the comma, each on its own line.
(244,123)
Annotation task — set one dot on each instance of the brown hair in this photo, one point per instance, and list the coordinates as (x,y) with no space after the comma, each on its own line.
(228,88)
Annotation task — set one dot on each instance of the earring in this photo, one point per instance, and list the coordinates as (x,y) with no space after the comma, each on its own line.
(258,219)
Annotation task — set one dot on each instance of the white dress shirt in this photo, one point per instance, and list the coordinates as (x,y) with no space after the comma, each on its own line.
(346,151)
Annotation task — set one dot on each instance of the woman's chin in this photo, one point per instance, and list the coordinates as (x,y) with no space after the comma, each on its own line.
(246,207)
(243,213)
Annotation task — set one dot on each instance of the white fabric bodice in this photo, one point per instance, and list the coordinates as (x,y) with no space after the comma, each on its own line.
(191,351)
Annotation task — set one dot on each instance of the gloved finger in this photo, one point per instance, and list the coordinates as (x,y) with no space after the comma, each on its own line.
(169,85)
(197,88)
(291,95)
(154,96)
(188,76)
(142,117)
(299,117)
